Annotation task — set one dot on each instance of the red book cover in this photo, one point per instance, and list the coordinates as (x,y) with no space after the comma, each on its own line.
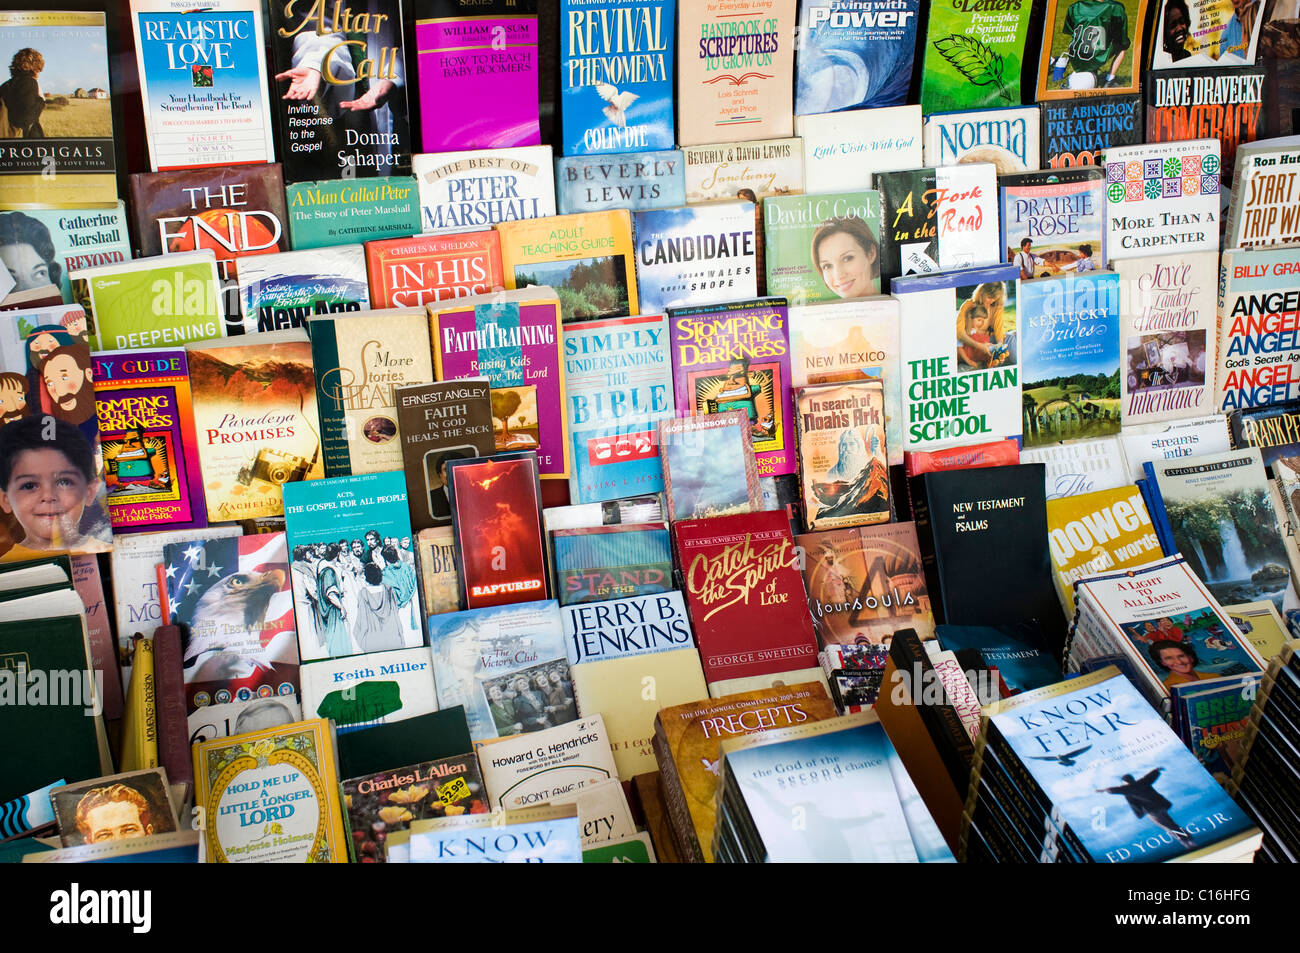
(997,453)
(411,272)
(746,596)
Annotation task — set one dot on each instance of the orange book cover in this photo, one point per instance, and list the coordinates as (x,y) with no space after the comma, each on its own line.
(412,272)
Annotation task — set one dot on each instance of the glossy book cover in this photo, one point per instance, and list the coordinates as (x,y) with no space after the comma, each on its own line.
(843,463)
(854,55)
(437,422)
(709,466)
(471,191)
(1061,214)
(823,247)
(635,181)
(703,254)
(557,252)
(1077,131)
(620,628)
(973,58)
(70,239)
(598,563)
(1092,48)
(339,211)
(1162,197)
(414,271)
(284,290)
(151,302)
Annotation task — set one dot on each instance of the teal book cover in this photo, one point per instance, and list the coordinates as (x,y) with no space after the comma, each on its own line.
(346,211)
(1214,716)
(596,563)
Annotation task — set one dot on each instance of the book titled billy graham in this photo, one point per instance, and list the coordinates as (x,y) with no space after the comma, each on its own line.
(410,272)
(1257,347)
(436,422)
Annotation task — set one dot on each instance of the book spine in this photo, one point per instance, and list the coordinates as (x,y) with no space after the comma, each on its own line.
(679,815)
(944,724)
(173,724)
(140,725)
(333,419)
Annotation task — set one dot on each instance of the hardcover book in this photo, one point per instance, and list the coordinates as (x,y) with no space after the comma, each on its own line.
(822,247)
(1274,428)
(411,272)
(1257,302)
(844,150)
(636,181)
(621,628)
(59,242)
(557,253)
(255,415)
(372,689)
(597,563)
(437,422)
(853,56)
(1008,138)
(358,597)
(1264,208)
(151,302)
(843,463)
(696,255)
(203,82)
(974,59)
(339,211)
(146,424)
(339,90)
(1098,532)
(1205,34)
(735,68)
(993,453)
(534,835)
(1079,131)
(361,359)
(1080,466)
(1227,104)
(709,466)
(552,766)
(482,61)
(938,219)
(431,737)
(285,290)
(737,357)
(1009,653)
(1053,222)
(1161,197)
(1091,48)
(141,809)
(471,191)
(439,580)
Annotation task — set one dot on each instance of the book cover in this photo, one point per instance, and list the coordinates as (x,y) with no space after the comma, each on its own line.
(635,181)
(960,361)
(866,583)
(1162,196)
(1053,222)
(515,341)
(42,247)
(736,571)
(1091,47)
(535,835)
(151,302)
(1209,718)
(622,628)
(1261,624)
(339,211)
(203,82)
(698,255)
(993,453)
(236,211)
(271,796)
(973,58)
(57,91)
(1178,440)
(616,75)
(1008,138)
(1227,104)
(233,600)
(285,290)
(938,219)
(471,191)
(496,507)
(1256,344)
(557,252)
(1080,466)
(410,272)
(339,89)
(843,463)
(822,247)
(221,720)
(1009,653)
(597,563)
(437,422)
(1098,532)
(709,466)
(146,425)
(554,765)
(1274,428)
(735,67)
(360,360)
(853,55)
(506,665)
(358,597)
(372,689)
(1263,207)
(117,807)
(737,357)
(844,150)
(1078,131)
(1205,34)
(851,341)
(439,580)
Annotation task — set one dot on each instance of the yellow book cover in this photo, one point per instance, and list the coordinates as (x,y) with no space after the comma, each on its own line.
(587,258)
(439,581)
(140,722)
(628,692)
(1260,623)
(1098,532)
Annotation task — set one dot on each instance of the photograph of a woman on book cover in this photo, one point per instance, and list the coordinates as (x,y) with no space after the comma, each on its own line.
(846,255)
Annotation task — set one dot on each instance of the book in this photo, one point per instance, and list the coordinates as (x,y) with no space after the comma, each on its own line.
(636,849)
(534,835)
(69,107)
(1053,222)
(285,290)
(1162,196)
(1096,532)
(1006,137)
(1080,466)
(994,453)
(1011,653)
(737,357)
(597,563)
(440,734)
(1273,428)
(1178,440)
(203,81)
(1199,34)
(435,422)
(1166,303)
(471,191)
(843,462)
(1262,206)
(822,247)
(1262,626)
(954,390)
(1228,104)
(556,253)
(709,466)
(410,272)
(844,150)
(255,414)
(973,59)
(634,181)
(372,689)
(339,211)
(696,255)
(482,59)
(151,302)
(866,583)
(354,123)
(515,341)
(88,582)
(361,359)
(180,847)
(358,598)
(1210,718)
(622,628)
(1077,131)
(271,796)
(735,67)
(58,242)
(616,75)
(853,57)
(555,765)
(1254,365)
(934,219)
(493,662)
(1091,48)
(146,423)
(439,580)
(235,718)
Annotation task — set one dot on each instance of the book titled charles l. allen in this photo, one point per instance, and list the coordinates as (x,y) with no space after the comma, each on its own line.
(410,272)
(437,422)
(255,414)
(271,796)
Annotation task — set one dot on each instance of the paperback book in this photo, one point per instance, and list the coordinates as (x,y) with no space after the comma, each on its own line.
(1227,104)
(1257,301)
(1011,654)
(622,628)
(974,59)
(557,253)
(1162,197)
(411,272)
(372,689)
(151,302)
(61,241)
(1078,131)
(936,219)
(550,834)
(843,463)
(598,563)
(635,181)
(1006,137)
(471,191)
(709,467)
(1273,428)
(697,255)
(822,247)
(1097,532)
(556,765)
(437,422)
(1190,437)
(439,581)
(1205,34)
(1081,466)
(844,150)
(1091,48)
(287,289)
(1264,208)
(853,56)
(1053,222)
(340,211)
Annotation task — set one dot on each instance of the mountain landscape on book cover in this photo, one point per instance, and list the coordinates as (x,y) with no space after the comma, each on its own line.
(1061,214)
(843,463)
(709,467)
(1077,131)
(1162,197)
(338,211)
(286,289)
(151,302)
(70,239)
(1205,34)
(598,563)
(635,181)
(703,254)
(854,55)
(1228,104)
(471,191)
(1093,47)
(437,422)
(974,59)
(822,247)
(557,253)
(1008,138)
(1255,349)
(409,272)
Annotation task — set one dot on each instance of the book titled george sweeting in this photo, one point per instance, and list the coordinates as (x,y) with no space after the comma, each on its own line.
(634,181)
(339,211)
(853,56)
(151,302)
(437,422)
(471,191)
(697,255)
(843,463)
(286,289)
(410,272)
(587,259)
(708,465)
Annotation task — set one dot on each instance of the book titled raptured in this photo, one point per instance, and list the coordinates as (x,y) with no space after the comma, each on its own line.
(437,422)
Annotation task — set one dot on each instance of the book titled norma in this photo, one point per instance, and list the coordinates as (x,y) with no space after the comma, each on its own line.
(1008,138)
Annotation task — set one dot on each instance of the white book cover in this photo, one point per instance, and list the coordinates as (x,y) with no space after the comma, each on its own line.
(695,255)
(286,289)
(1162,197)
(1193,437)
(240,717)
(843,150)
(965,216)
(603,812)
(375,689)
(1264,208)
(550,766)
(746,170)
(472,191)
(1257,347)
(1080,466)
(1008,138)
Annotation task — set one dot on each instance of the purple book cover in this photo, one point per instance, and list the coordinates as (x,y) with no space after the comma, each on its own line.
(477,71)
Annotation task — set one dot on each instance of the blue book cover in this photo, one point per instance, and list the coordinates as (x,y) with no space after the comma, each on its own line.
(618,383)
(595,563)
(1016,651)
(285,289)
(699,255)
(1115,772)
(854,54)
(635,181)
(535,835)
(1210,716)
(1053,221)
(352,565)
(616,75)
(637,625)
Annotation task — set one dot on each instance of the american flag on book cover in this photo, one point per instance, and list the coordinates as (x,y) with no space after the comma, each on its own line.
(234,599)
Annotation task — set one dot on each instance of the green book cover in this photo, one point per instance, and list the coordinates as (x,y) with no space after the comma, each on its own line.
(347,211)
(823,247)
(151,302)
(973,57)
